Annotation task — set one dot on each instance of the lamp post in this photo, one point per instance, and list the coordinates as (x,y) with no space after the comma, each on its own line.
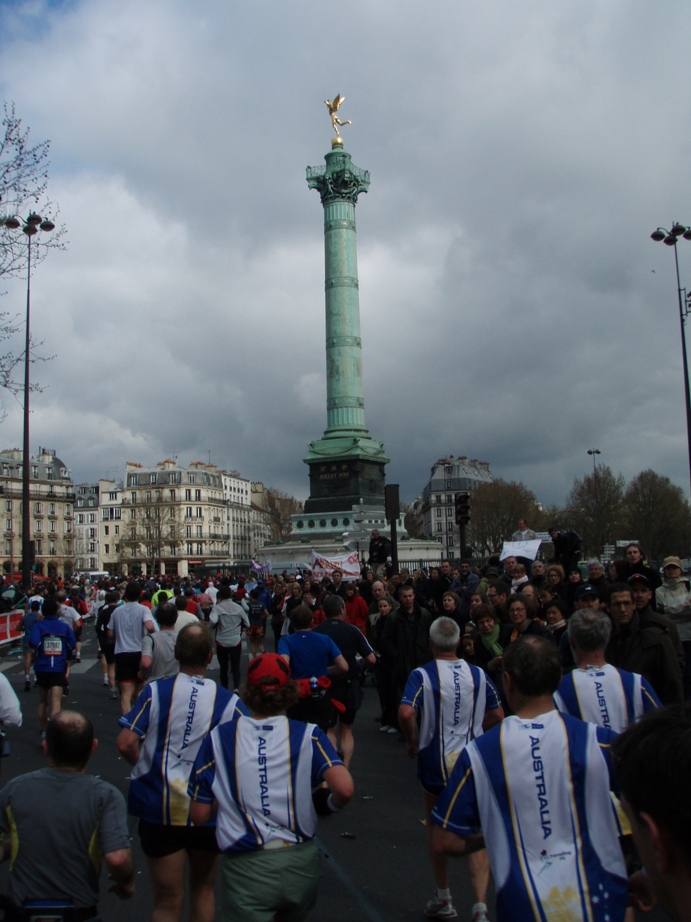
(30,227)
(12,469)
(670,237)
(593,452)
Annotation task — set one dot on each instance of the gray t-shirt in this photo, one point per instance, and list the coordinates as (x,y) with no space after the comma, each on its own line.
(161,648)
(52,817)
(128,623)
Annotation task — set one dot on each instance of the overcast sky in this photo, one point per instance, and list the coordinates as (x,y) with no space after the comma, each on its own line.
(514,308)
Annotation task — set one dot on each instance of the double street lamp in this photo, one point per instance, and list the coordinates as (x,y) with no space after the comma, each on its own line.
(30,226)
(670,237)
(593,452)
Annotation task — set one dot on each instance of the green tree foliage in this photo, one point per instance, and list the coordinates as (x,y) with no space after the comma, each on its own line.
(495,509)
(657,514)
(596,508)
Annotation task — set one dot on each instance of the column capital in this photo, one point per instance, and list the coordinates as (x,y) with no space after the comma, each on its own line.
(339,179)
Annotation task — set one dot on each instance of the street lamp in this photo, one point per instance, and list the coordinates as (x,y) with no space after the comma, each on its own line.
(593,452)
(670,237)
(30,227)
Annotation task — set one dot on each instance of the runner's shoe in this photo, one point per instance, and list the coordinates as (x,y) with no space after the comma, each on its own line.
(27,685)
(480,916)
(440,909)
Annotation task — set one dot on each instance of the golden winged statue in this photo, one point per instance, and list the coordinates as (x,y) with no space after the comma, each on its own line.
(333,108)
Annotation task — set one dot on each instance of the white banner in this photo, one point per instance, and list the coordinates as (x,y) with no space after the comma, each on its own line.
(526,549)
(349,564)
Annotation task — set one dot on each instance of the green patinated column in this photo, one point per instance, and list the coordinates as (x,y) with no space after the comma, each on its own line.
(346,465)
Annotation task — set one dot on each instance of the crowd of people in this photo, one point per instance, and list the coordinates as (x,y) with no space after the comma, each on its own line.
(527,693)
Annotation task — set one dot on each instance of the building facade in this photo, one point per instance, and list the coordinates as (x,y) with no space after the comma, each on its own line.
(87,554)
(173,519)
(52,507)
(435,507)
(237,494)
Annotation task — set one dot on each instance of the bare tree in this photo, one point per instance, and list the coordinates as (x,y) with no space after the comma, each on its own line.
(596,506)
(23,184)
(495,509)
(280,507)
(152,531)
(657,514)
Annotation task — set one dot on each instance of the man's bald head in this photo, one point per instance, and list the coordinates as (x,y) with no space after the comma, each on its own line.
(69,740)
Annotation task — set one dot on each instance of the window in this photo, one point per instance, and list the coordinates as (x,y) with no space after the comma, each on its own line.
(8,525)
(133,497)
(8,505)
(192,478)
(439,513)
(189,550)
(437,498)
(117,549)
(188,496)
(171,513)
(106,548)
(49,473)
(175,476)
(39,546)
(171,531)
(152,478)
(38,525)
(113,496)
(68,527)
(38,508)
(51,509)
(188,512)
(8,548)
(147,496)
(92,532)
(448,484)
(91,501)
(133,480)
(53,527)
(80,519)
(92,547)
(199,512)
(92,517)
(449,541)
(188,531)
(80,502)
(92,563)
(449,511)
(34,470)
(198,496)
(133,514)
(171,493)
(171,550)
(106,530)
(199,531)
(199,548)
(116,530)
(439,526)
(147,532)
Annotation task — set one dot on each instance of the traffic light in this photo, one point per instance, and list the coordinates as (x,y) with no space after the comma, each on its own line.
(391,502)
(462,508)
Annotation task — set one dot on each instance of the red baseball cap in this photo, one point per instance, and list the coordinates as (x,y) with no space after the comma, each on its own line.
(268,665)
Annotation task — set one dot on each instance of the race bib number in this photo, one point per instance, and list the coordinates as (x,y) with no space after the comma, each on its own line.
(52,645)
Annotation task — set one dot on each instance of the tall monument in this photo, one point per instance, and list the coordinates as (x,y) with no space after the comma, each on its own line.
(346,464)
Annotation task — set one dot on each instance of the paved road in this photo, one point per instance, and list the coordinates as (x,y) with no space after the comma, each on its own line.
(381,875)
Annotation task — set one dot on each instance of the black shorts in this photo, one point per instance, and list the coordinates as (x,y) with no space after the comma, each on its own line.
(159,841)
(50,679)
(127,666)
(108,651)
(349,695)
